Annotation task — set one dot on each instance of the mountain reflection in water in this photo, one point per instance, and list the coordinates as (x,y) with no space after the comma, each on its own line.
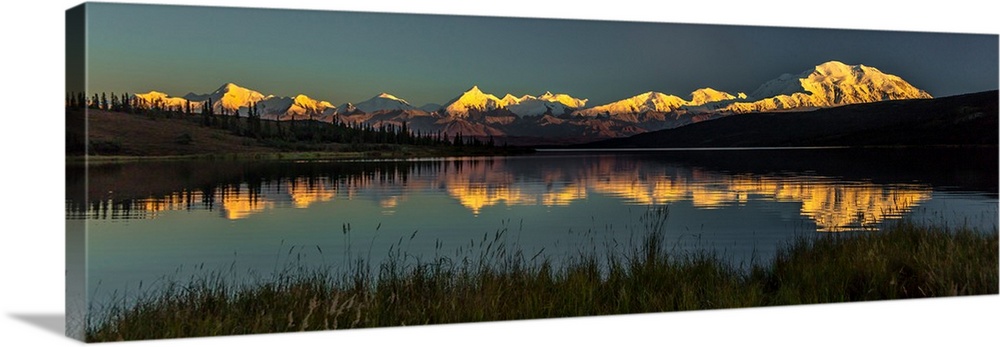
(832,202)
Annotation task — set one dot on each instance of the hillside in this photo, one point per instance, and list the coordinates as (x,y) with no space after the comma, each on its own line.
(969,119)
(116,133)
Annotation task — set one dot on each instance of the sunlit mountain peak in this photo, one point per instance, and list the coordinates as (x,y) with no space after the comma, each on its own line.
(646,102)
(511,99)
(472,100)
(706,95)
(564,99)
(236,90)
(155,94)
(154,98)
(229,97)
(302,98)
(832,83)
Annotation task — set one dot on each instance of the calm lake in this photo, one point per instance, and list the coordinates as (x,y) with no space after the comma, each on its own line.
(150,222)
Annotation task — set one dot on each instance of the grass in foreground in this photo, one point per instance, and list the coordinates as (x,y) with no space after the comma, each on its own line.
(902,261)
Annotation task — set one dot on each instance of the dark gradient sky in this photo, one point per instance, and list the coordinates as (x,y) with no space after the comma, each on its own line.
(352,56)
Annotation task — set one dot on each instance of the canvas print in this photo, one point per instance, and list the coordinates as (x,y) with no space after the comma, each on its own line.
(245,171)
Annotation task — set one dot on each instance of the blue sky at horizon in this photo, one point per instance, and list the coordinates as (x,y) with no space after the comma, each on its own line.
(352,56)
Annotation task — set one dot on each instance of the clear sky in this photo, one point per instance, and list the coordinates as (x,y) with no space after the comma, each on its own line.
(352,56)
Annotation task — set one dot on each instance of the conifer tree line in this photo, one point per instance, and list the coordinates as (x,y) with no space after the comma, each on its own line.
(252,124)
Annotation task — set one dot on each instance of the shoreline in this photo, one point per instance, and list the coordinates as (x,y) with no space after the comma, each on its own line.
(106,159)
(405,153)
(422,152)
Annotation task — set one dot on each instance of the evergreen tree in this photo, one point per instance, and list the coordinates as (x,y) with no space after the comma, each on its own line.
(404,136)
(253,117)
(81,101)
(127,103)
(204,115)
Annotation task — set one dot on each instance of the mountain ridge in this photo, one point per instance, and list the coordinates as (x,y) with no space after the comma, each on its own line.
(968,119)
(829,84)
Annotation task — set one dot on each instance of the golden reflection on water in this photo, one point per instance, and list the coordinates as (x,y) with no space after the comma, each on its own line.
(833,204)
(240,206)
(475,195)
(177,201)
(564,196)
(303,193)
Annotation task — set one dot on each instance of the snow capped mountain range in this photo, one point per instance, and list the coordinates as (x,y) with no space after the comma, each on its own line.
(164,100)
(826,85)
(645,102)
(285,108)
(228,97)
(829,84)
(547,103)
(475,100)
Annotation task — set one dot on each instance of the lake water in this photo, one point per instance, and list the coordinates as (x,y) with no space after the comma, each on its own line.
(152,221)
